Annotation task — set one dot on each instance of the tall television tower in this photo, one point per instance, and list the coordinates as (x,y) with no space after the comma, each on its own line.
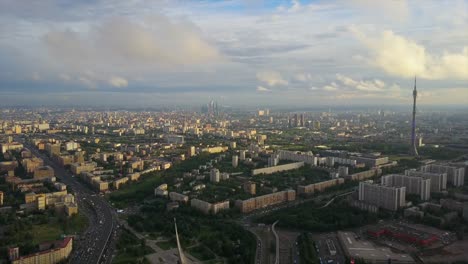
(414,150)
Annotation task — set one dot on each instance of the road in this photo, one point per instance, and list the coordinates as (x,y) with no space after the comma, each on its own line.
(97,244)
(247,223)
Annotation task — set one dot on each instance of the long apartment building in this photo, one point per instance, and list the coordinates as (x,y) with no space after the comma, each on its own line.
(455,175)
(279,168)
(438,180)
(390,198)
(306,157)
(52,252)
(319,186)
(249,205)
(414,185)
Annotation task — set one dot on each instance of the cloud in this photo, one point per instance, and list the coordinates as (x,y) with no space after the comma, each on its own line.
(403,57)
(118,82)
(157,40)
(346,87)
(330,87)
(271,78)
(263,89)
(370,86)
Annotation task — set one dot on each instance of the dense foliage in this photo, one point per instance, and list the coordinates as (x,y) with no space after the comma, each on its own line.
(216,234)
(307,216)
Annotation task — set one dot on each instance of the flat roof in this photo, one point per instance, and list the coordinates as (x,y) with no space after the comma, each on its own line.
(367,250)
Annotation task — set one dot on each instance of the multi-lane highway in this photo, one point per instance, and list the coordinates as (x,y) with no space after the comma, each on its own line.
(97,244)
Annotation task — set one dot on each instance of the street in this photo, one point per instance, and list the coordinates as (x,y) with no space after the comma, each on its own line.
(97,243)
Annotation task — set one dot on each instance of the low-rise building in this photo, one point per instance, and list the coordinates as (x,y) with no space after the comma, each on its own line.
(207,207)
(44,172)
(177,197)
(78,168)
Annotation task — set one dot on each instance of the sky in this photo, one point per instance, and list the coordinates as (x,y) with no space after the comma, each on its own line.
(237,52)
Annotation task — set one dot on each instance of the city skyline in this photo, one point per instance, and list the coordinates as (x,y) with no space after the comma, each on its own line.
(311,53)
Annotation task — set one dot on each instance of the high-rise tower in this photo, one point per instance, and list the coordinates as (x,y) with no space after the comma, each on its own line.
(414,150)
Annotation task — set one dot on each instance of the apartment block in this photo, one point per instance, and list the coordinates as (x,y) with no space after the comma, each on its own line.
(318,187)
(279,168)
(78,168)
(438,180)
(307,158)
(414,185)
(31,164)
(249,205)
(207,207)
(390,198)
(44,172)
(455,175)
(51,253)
(177,197)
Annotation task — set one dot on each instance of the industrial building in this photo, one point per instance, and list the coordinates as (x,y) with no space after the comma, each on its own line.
(403,233)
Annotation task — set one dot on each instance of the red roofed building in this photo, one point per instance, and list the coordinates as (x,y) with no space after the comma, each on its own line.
(52,252)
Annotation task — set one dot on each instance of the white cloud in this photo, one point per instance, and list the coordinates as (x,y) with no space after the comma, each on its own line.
(271,78)
(118,82)
(371,86)
(330,87)
(157,40)
(263,89)
(403,57)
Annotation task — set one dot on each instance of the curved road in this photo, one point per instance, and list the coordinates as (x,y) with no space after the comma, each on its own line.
(97,243)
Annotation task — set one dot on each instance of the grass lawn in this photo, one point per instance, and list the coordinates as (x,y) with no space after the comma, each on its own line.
(43,233)
(76,224)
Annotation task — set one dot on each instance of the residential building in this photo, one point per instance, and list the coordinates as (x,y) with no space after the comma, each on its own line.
(214,175)
(177,197)
(44,172)
(318,187)
(438,180)
(250,188)
(455,175)
(414,185)
(390,198)
(279,168)
(249,205)
(207,208)
(51,253)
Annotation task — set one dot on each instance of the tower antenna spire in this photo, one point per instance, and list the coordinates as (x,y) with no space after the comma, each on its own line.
(414,150)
